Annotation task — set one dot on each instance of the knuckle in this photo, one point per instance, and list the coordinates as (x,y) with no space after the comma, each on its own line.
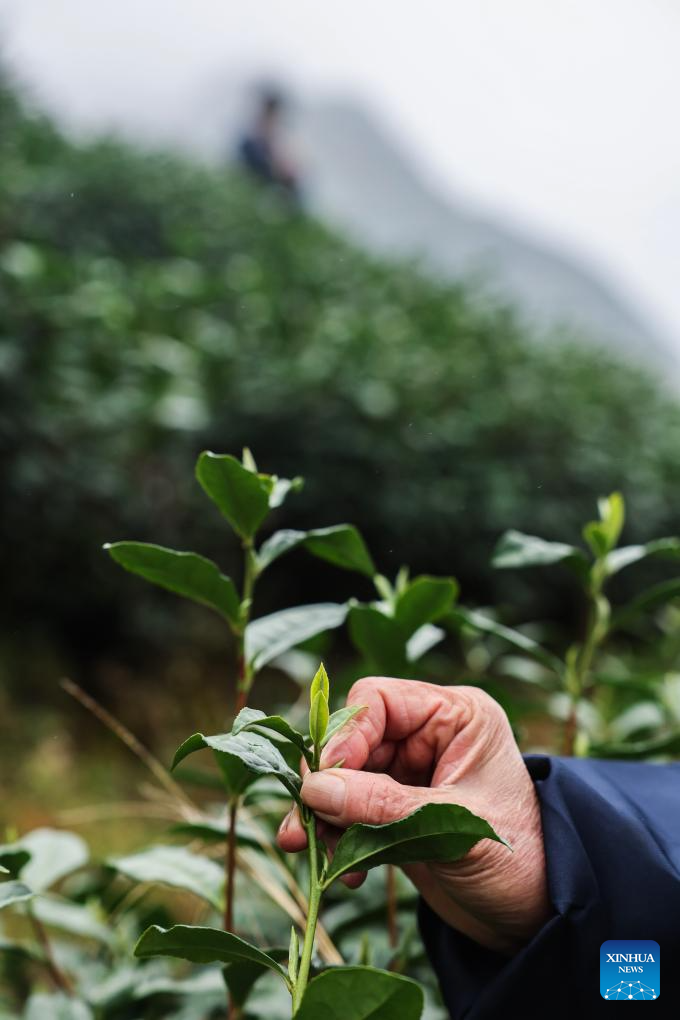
(383,801)
(483,703)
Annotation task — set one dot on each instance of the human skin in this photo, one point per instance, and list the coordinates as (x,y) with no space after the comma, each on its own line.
(418,743)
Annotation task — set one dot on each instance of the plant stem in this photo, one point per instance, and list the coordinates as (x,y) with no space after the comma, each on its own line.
(596,631)
(245,671)
(244,682)
(312,911)
(58,976)
(391,889)
(230,866)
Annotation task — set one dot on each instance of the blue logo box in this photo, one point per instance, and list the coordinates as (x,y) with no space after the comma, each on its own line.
(630,969)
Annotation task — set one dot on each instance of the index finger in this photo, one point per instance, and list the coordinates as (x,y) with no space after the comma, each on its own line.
(395,710)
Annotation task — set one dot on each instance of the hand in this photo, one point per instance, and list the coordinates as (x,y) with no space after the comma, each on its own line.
(418,743)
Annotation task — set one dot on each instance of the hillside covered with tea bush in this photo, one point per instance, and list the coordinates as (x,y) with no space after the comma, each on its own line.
(151,308)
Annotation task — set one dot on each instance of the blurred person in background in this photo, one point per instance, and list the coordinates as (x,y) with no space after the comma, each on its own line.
(262,150)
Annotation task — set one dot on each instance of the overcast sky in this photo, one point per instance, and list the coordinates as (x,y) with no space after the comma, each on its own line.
(561,115)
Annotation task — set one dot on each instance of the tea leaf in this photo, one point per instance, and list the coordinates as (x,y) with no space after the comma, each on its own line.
(281,487)
(174,866)
(293,954)
(425,600)
(74,918)
(361,993)
(269,636)
(339,719)
(54,854)
(203,945)
(320,683)
(481,622)
(240,495)
(318,718)
(236,778)
(435,832)
(13,856)
(56,1007)
(254,719)
(184,573)
(649,599)
(216,830)
(425,638)
(240,976)
(638,750)
(612,512)
(380,638)
(255,753)
(515,549)
(664,548)
(340,544)
(14,892)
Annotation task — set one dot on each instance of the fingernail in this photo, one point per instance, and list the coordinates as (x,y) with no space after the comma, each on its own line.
(332,753)
(325,792)
(285,823)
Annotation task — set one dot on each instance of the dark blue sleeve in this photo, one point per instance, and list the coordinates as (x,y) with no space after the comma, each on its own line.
(612,841)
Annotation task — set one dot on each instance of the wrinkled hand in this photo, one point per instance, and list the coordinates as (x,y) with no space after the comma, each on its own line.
(417,743)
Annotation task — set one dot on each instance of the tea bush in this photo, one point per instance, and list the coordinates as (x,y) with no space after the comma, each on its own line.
(151,307)
(77,926)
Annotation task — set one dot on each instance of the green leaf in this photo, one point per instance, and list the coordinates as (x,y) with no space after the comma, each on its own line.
(320,683)
(435,832)
(425,638)
(203,945)
(361,993)
(612,512)
(293,954)
(269,636)
(184,573)
(648,600)
(56,1007)
(257,755)
(515,549)
(177,867)
(318,718)
(240,976)
(479,621)
(282,487)
(254,719)
(205,985)
(339,719)
(341,545)
(236,778)
(379,638)
(425,600)
(596,536)
(639,750)
(13,856)
(240,495)
(216,830)
(54,854)
(74,918)
(664,548)
(14,892)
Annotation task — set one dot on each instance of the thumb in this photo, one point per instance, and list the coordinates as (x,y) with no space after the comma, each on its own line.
(345,796)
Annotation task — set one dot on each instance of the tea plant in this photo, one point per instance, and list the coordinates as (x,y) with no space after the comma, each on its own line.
(433,832)
(245,498)
(584,683)
(74,923)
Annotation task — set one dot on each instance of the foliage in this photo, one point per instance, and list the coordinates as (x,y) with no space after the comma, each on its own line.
(152,308)
(74,924)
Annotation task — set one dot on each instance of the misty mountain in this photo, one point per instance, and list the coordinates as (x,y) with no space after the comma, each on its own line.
(360,180)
